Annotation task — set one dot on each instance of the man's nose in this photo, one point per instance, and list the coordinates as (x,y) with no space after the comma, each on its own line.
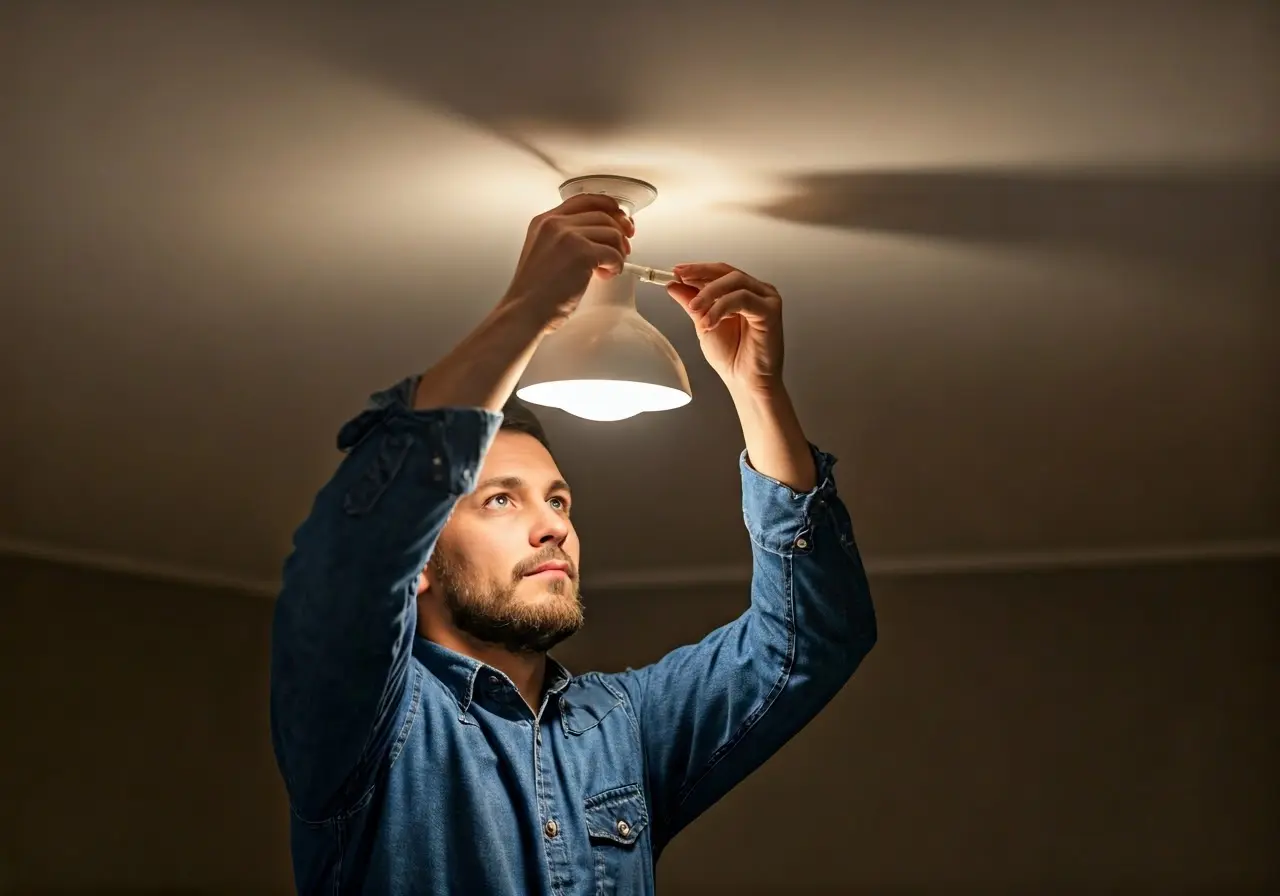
(550,528)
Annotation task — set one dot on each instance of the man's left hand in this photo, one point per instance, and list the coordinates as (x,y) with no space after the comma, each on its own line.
(739,324)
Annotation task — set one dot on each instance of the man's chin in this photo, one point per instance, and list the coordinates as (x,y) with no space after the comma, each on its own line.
(557,607)
(543,586)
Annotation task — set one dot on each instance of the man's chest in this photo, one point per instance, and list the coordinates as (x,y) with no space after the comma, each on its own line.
(558,802)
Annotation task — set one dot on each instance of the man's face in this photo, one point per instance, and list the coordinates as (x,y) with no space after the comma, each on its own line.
(506,565)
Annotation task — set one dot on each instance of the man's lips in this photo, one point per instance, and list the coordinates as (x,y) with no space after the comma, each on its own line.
(551,567)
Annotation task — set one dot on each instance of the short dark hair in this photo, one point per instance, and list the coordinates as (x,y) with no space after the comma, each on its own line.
(517,417)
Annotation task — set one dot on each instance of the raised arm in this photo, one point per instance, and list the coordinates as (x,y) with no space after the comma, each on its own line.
(712,712)
(345,618)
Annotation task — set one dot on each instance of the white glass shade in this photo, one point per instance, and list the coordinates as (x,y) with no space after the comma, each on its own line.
(606,362)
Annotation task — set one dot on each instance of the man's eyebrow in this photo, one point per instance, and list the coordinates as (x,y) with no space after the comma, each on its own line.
(512,483)
(515,483)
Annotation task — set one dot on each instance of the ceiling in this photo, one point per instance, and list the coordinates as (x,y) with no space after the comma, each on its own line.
(1025,254)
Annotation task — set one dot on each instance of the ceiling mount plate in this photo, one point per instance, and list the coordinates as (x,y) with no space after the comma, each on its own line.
(630,193)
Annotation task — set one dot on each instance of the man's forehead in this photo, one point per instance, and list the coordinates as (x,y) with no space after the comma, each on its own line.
(517,455)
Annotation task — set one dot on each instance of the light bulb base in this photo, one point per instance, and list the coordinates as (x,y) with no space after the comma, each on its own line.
(631,194)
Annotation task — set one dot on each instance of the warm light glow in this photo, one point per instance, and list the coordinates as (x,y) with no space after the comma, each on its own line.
(604,399)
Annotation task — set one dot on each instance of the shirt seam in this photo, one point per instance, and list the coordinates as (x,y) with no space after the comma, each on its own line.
(414,702)
(337,862)
(394,753)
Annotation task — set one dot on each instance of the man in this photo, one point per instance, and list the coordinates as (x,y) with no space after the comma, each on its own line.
(427,742)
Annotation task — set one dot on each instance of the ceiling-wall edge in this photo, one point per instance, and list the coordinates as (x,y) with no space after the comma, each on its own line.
(729,574)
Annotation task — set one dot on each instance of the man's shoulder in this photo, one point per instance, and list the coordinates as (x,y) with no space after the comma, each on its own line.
(599,684)
(591,696)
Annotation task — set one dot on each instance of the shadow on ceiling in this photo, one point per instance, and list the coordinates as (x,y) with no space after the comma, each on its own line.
(508,75)
(503,75)
(1199,217)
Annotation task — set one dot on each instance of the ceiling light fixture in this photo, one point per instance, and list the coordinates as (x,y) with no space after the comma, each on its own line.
(607,362)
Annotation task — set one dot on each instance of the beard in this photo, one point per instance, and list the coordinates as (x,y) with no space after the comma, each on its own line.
(493,612)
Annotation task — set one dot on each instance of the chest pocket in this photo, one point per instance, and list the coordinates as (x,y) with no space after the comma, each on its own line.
(616,823)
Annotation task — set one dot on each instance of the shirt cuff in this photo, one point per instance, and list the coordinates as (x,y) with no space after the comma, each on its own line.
(778,518)
(450,441)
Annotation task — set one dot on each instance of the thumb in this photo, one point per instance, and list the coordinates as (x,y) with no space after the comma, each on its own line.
(683,293)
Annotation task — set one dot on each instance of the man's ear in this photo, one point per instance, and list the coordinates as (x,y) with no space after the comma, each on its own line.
(424,584)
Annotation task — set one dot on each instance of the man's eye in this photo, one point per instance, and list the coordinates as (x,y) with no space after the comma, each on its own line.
(560,504)
(496,498)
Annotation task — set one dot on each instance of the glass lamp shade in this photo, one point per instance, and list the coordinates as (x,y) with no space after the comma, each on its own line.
(606,362)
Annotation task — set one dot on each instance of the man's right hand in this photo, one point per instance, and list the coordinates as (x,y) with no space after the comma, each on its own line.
(585,235)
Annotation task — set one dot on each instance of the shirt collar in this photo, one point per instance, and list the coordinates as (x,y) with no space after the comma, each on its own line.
(458,672)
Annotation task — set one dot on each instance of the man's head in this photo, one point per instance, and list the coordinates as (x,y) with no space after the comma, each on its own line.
(505,570)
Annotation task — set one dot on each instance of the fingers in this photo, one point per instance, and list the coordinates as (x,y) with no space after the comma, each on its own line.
(604,229)
(754,308)
(607,237)
(710,292)
(708,309)
(700,273)
(587,203)
(683,293)
(609,261)
(600,219)
(726,283)
(608,248)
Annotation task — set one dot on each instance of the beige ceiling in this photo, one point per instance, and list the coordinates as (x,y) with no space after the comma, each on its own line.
(1024,251)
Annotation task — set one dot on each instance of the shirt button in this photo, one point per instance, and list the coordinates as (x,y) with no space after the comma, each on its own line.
(436,461)
(551,828)
(623,828)
(802,543)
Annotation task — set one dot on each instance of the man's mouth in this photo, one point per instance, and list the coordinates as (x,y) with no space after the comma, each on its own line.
(550,569)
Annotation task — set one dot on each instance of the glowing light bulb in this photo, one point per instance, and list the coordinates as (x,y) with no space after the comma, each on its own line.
(607,362)
(605,400)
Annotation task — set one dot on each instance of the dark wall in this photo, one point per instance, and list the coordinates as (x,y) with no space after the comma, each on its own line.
(1093,731)
(136,751)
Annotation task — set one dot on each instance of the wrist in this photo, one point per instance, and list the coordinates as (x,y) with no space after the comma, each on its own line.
(775,441)
(518,319)
(545,312)
(758,398)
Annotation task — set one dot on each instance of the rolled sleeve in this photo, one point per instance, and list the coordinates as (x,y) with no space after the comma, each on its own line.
(455,439)
(777,517)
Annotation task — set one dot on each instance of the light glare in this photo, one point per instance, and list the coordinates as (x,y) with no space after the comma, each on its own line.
(604,400)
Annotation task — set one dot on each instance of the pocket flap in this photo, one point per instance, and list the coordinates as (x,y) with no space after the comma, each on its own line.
(618,814)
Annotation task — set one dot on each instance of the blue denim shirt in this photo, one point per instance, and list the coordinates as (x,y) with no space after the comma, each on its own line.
(414,769)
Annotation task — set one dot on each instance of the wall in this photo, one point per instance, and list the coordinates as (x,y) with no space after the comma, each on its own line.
(136,751)
(1107,730)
